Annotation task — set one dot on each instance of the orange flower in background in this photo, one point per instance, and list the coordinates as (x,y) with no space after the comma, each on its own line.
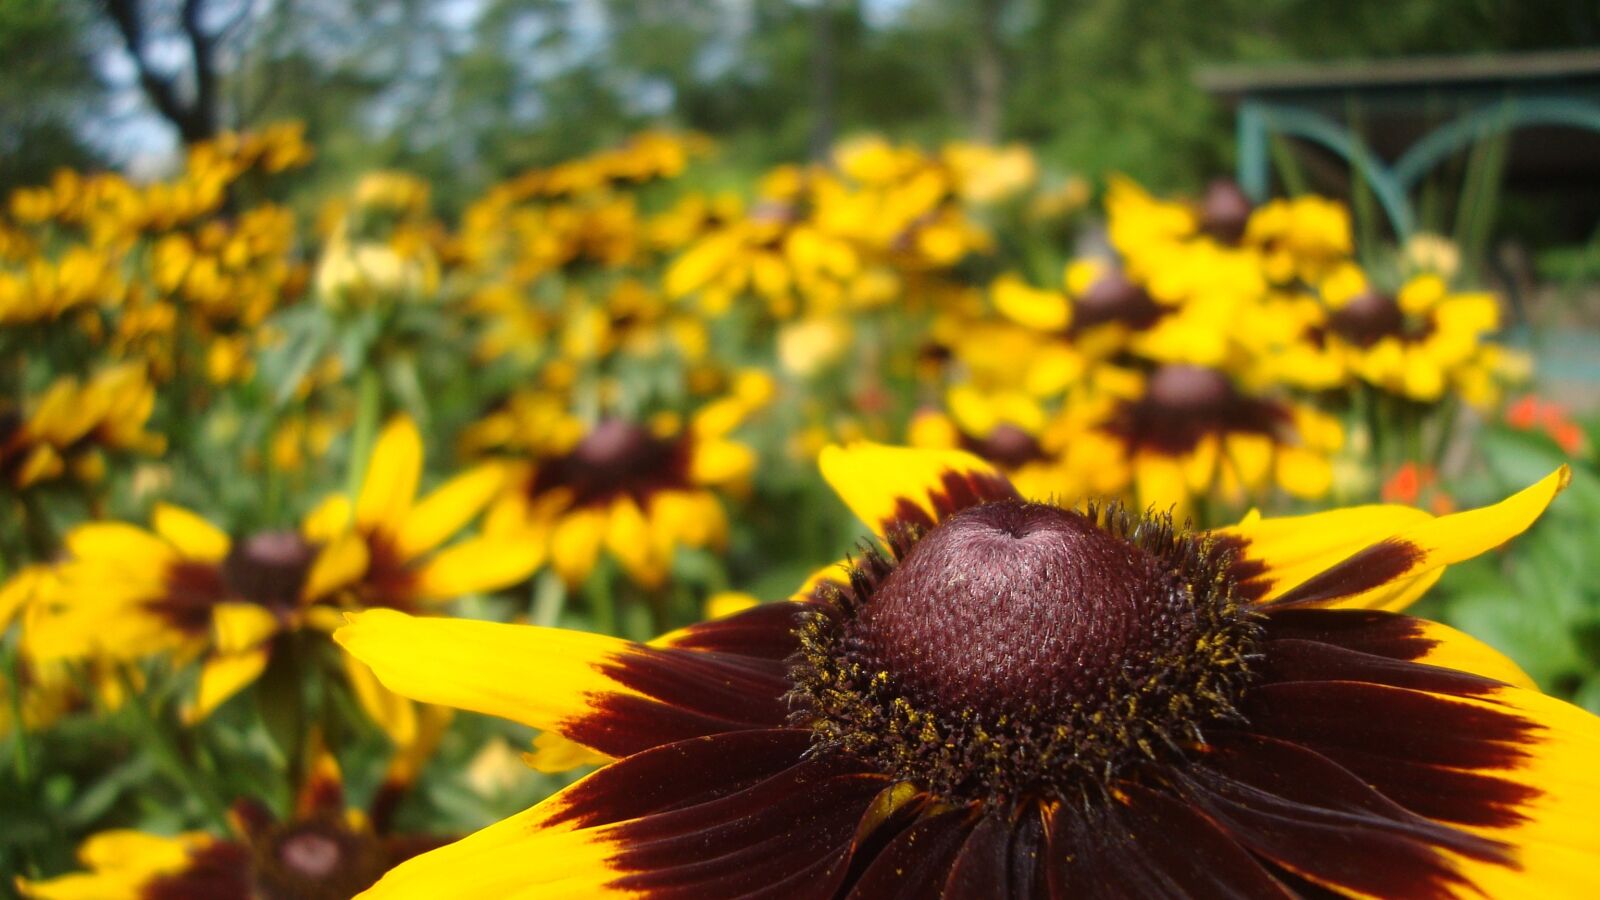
(1532,414)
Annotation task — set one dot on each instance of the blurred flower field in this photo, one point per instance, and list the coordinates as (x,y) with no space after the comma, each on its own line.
(236,406)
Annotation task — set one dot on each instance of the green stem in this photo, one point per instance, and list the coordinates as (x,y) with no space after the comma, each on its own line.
(369,399)
(549,599)
(19,730)
(603,599)
(168,756)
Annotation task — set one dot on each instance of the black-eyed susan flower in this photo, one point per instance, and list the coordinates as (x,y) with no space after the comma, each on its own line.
(1015,699)
(1420,342)
(324,851)
(187,590)
(1184,431)
(636,489)
(183,589)
(73,424)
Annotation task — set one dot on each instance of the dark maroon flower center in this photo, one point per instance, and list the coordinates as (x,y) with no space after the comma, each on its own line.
(1022,648)
(1225,211)
(316,859)
(1368,318)
(1184,403)
(1012,606)
(616,457)
(310,855)
(1114,298)
(1006,445)
(269,568)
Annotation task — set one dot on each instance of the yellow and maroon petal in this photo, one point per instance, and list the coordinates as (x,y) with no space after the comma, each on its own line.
(1373,557)
(740,814)
(611,695)
(894,488)
(1361,729)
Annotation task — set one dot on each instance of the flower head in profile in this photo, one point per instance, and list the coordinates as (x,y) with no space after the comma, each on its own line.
(324,851)
(1007,698)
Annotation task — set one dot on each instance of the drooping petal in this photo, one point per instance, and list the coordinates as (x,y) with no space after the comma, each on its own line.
(390,484)
(241,626)
(611,695)
(1371,556)
(890,488)
(396,715)
(446,510)
(223,676)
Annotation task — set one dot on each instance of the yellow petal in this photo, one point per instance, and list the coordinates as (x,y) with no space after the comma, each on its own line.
(628,538)
(721,462)
(391,480)
(1375,575)
(478,566)
(518,857)
(241,626)
(575,544)
(1554,841)
(447,510)
(887,487)
(1454,649)
(223,676)
(120,544)
(194,537)
(337,564)
(396,715)
(538,676)
(726,603)
(554,754)
(328,520)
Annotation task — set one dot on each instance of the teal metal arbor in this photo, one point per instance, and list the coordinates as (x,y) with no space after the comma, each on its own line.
(1495,95)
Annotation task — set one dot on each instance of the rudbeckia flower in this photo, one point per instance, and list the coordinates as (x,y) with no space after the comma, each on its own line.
(1419,342)
(323,851)
(1013,699)
(1189,431)
(636,489)
(187,589)
(72,424)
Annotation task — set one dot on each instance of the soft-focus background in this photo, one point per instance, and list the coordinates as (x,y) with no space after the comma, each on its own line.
(542,311)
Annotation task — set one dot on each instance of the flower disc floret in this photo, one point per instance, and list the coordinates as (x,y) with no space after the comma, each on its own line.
(1022,649)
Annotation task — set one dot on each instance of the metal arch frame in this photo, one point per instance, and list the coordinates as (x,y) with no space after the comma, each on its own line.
(1391,184)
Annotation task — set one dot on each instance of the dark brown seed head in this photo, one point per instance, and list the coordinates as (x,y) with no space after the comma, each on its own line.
(616,457)
(1009,607)
(269,568)
(1008,446)
(1114,298)
(1225,211)
(1185,390)
(1367,318)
